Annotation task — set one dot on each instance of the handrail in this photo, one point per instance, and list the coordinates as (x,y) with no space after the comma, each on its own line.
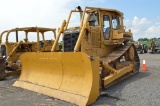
(14,49)
(81,35)
(57,37)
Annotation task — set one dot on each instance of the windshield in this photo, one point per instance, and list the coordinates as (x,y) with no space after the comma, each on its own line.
(75,19)
(115,22)
(94,20)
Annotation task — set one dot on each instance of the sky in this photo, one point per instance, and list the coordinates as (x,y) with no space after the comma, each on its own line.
(141,16)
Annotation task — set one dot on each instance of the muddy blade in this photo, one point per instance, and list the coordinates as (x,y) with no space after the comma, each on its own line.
(72,77)
(2,69)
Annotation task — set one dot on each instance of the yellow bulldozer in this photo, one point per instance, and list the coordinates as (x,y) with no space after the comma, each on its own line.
(94,55)
(15,42)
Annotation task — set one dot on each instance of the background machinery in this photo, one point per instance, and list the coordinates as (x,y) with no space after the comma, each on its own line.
(141,48)
(143,45)
(12,46)
(145,41)
(155,45)
(94,55)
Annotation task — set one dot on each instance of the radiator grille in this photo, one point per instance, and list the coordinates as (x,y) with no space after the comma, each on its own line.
(70,41)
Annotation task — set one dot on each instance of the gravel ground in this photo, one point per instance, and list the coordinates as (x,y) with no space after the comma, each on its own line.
(141,89)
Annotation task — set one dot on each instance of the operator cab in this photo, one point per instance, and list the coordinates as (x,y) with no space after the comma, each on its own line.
(104,25)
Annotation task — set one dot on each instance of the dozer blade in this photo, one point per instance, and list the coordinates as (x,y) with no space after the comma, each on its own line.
(72,77)
(2,69)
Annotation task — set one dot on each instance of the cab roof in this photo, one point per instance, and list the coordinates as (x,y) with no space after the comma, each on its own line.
(104,9)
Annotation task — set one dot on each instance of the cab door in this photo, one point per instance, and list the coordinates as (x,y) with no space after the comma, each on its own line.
(106,27)
(110,27)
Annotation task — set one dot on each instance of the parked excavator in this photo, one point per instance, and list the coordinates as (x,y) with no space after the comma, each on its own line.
(94,55)
(12,46)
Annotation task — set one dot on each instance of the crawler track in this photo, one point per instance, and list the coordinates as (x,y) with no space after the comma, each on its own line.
(2,69)
(117,55)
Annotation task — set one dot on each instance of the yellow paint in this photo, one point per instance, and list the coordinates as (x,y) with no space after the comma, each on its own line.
(68,76)
(15,49)
(108,79)
(73,76)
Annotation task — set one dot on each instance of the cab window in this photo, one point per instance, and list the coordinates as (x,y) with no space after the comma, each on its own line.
(115,22)
(94,20)
(106,27)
